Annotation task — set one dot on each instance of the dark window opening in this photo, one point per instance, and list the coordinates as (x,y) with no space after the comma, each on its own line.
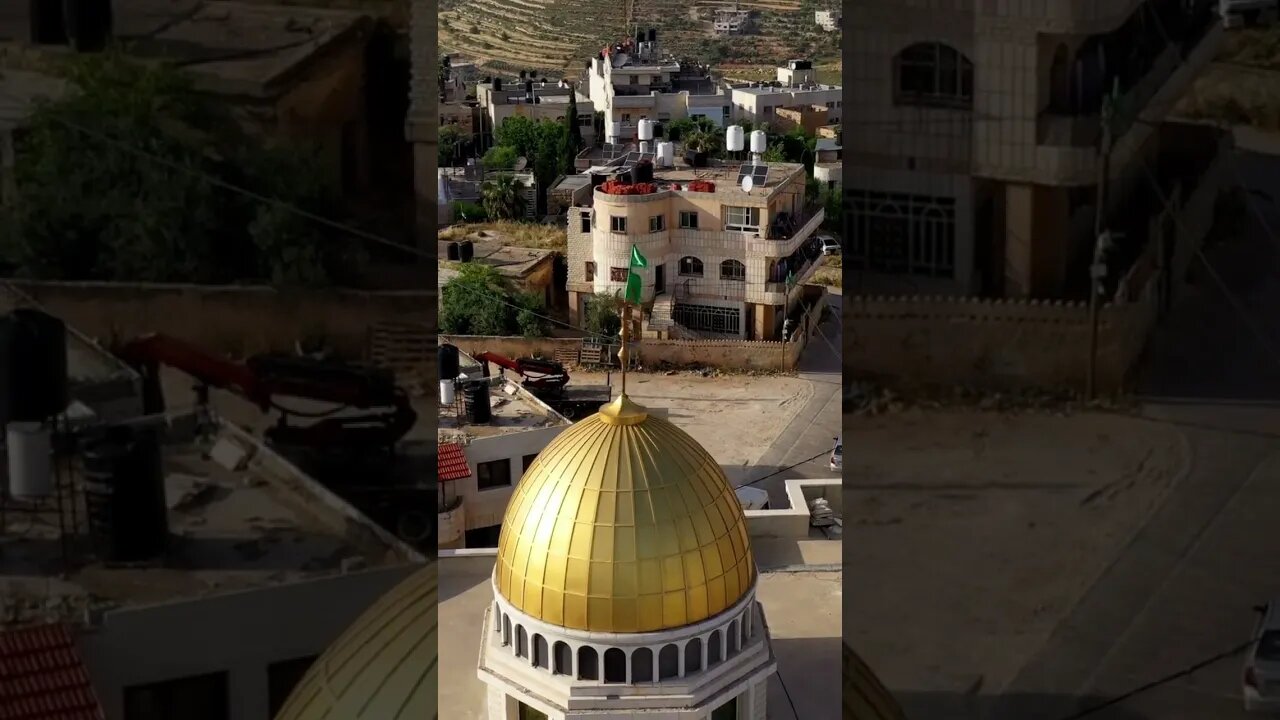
(492,474)
(201,697)
(282,678)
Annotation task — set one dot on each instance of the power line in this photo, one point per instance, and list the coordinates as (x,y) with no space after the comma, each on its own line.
(779,471)
(794,713)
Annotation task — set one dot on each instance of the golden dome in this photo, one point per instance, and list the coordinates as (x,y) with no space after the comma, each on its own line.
(865,698)
(383,667)
(624,524)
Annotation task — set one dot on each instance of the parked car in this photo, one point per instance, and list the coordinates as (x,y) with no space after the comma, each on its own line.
(837,454)
(1262,662)
(830,245)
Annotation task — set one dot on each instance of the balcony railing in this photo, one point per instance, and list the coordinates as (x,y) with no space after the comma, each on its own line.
(787,226)
(1069,130)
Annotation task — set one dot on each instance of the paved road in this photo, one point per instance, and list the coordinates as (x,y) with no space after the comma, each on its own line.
(811,431)
(1182,590)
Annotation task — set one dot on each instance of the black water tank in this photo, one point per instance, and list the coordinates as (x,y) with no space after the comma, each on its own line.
(475,398)
(653,34)
(89,24)
(124,494)
(528,87)
(644,172)
(33,366)
(453,251)
(497,83)
(466,251)
(624,177)
(449,366)
(597,179)
(522,73)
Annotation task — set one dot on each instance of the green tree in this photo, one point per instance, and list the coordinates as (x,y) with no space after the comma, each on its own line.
(601,315)
(520,133)
(571,124)
(774,153)
(500,157)
(162,216)
(480,301)
(501,197)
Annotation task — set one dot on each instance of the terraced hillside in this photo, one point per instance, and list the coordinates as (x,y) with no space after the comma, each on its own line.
(559,35)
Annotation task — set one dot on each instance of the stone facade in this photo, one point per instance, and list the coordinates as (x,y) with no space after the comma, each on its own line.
(422,125)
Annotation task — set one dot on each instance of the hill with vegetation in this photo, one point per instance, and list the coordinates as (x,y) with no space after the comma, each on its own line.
(558,36)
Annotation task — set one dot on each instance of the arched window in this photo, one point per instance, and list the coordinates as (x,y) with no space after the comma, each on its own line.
(615,666)
(668,662)
(540,658)
(506,629)
(732,638)
(587,669)
(733,270)
(693,656)
(691,266)
(933,74)
(522,642)
(563,659)
(713,648)
(642,665)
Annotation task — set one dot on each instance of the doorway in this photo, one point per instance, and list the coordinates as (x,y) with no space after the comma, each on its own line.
(528,713)
(659,279)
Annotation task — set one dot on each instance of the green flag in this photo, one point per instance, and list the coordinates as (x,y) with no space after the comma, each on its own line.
(632,295)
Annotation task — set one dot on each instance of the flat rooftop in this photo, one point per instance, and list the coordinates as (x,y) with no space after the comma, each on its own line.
(802,607)
(797,89)
(510,260)
(513,410)
(259,525)
(230,46)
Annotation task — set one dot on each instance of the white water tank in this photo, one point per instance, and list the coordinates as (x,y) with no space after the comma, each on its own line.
(615,130)
(448,393)
(733,138)
(666,154)
(759,143)
(646,129)
(30,460)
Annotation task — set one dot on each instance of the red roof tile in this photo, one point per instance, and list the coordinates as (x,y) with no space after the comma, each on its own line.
(451,463)
(43,678)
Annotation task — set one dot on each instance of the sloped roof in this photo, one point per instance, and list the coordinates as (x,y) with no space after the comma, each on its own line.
(43,678)
(451,462)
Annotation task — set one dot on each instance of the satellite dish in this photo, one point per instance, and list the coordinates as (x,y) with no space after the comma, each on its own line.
(747,184)
(521,163)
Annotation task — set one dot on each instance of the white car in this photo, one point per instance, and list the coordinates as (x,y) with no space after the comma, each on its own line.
(1262,663)
(830,245)
(836,462)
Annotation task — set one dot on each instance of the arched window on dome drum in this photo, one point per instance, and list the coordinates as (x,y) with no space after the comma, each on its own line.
(506,630)
(522,642)
(714,644)
(563,659)
(693,656)
(668,662)
(642,665)
(733,639)
(615,666)
(540,658)
(587,664)
(746,629)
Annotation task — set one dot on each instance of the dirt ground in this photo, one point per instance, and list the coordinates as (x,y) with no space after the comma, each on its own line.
(735,417)
(972,534)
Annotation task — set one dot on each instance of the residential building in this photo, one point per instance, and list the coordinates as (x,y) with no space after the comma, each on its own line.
(977,131)
(535,99)
(796,86)
(731,21)
(828,20)
(481,459)
(532,270)
(422,127)
(718,255)
(634,80)
(465,184)
(465,115)
(806,118)
(246,546)
(827,150)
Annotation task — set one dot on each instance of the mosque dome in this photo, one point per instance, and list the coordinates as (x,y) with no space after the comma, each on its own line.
(624,524)
(865,698)
(383,667)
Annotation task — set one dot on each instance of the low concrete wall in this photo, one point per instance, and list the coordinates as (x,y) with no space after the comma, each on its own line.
(728,354)
(793,521)
(235,320)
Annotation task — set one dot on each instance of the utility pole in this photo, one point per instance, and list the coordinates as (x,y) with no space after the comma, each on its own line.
(786,317)
(1102,240)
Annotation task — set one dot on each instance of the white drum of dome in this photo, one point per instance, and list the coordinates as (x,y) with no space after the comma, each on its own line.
(30,460)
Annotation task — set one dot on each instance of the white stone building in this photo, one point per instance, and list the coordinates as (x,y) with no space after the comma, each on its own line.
(796,85)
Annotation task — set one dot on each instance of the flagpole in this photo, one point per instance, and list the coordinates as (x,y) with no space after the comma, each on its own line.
(623,354)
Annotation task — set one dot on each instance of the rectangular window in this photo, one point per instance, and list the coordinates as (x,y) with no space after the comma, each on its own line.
(590,272)
(586,223)
(617,224)
(528,461)
(493,474)
(688,220)
(635,79)
(200,697)
(742,218)
(657,223)
(282,678)
(626,117)
(617,274)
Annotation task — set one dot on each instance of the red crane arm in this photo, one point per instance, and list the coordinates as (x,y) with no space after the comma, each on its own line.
(497,359)
(204,367)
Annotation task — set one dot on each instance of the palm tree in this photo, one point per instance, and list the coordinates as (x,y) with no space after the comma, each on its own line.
(501,197)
